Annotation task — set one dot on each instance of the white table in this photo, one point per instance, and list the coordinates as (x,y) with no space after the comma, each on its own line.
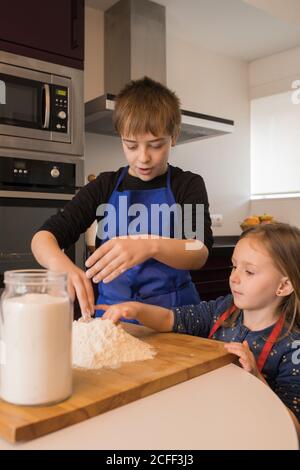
(224,409)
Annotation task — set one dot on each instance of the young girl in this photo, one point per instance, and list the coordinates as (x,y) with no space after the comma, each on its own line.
(151,270)
(259,322)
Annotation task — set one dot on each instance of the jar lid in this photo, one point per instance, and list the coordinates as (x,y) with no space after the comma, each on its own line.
(34,277)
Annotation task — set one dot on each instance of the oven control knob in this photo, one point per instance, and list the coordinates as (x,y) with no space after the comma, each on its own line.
(62,115)
(55,173)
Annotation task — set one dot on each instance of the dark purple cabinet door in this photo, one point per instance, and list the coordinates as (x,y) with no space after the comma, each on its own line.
(53,26)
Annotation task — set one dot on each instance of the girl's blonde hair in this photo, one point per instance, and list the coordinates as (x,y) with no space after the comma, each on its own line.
(282,242)
(146,106)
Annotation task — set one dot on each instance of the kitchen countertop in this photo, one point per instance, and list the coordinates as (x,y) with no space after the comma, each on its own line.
(224,409)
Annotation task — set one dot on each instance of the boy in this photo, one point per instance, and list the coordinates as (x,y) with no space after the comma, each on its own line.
(129,263)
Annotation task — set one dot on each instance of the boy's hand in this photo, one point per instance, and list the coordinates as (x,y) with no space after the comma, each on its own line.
(246,357)
(116,312)
(78,284)
(117,256)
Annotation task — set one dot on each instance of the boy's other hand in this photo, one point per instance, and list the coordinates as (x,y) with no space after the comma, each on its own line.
(117,256)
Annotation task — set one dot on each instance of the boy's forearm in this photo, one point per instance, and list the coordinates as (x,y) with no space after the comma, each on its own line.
(180,254)
(47,252)
(158,318)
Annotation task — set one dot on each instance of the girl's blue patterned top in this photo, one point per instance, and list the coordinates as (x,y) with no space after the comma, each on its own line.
(282,368)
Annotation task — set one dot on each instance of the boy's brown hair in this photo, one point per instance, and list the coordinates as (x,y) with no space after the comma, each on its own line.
(146,106)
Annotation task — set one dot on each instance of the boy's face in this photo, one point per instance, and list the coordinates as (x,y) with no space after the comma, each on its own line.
(147,155)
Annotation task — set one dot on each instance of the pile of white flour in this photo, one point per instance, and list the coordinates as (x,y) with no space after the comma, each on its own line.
(100,343)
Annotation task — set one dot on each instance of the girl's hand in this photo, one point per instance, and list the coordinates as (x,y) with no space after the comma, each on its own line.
(246,357)
(116,312)
(116,256)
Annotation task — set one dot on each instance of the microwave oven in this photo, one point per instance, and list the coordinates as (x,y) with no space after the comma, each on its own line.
(41,107)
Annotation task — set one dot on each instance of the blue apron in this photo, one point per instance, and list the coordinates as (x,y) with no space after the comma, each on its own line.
(150,282)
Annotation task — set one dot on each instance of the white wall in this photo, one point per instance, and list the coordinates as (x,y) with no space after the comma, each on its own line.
(274,74)
(286,10)
(205,82)
(284,210)
(267,76)
(101,153)
(218,85)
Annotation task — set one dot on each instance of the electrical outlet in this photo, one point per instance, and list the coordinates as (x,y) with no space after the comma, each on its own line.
(216,220)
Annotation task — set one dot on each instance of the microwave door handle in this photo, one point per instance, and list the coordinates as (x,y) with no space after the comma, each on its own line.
(46,98)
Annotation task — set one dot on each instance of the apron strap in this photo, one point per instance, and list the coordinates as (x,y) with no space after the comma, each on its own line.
(221,319)
(269,343)
(169,178)
(121,177)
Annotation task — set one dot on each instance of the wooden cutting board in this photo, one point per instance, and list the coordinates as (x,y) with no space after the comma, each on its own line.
(179,358)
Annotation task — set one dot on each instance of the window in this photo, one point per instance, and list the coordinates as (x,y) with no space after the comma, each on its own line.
(275,146)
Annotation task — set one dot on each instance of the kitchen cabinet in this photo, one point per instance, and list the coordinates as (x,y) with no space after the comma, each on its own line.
(51,30)
(212,281)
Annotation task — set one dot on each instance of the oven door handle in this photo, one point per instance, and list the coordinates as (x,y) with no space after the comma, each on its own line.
(33,195)
(46,107)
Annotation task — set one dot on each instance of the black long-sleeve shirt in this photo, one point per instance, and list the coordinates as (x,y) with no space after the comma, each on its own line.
(80,212)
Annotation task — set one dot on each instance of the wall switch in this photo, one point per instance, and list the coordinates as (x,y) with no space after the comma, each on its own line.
(216,220)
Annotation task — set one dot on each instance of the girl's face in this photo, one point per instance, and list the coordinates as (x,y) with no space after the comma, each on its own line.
(254,279)
(147,155)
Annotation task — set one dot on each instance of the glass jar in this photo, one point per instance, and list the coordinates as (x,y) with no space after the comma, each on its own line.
(35,333)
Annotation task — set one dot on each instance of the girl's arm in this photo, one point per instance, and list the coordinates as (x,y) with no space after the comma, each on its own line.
(152,316)
(195,320)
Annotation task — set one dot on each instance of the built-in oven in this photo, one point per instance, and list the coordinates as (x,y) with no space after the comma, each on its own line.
(30,192)
(41,106)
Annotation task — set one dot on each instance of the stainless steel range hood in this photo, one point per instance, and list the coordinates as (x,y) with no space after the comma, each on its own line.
(135,46)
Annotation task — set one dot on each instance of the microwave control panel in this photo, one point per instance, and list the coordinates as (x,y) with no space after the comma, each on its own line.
(60,109)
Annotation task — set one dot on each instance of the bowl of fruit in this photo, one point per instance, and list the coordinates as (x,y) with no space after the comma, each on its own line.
(254,220)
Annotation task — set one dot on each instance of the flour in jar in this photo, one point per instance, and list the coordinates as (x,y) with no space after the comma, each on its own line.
(36,338)
(100,343)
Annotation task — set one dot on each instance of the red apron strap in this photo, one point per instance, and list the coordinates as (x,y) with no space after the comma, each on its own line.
(220,320)
(270,343)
